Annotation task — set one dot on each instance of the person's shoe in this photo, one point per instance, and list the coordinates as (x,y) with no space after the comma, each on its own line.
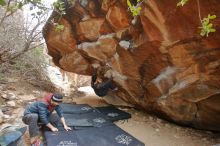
(37,143)
(85,17)
(115,89)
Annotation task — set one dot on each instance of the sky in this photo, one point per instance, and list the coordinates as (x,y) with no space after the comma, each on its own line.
(48,2)
(27,13)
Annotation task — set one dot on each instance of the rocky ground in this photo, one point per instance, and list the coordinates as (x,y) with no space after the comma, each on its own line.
(15,95)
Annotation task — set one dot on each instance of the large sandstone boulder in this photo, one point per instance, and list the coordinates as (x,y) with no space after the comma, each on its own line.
(159,61)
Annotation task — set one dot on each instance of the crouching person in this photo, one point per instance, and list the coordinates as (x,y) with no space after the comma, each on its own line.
(41,112)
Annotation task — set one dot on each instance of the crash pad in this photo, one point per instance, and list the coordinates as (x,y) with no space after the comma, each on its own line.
(61,138)
(75,108)
(110,135)
(113,113)
(94,119)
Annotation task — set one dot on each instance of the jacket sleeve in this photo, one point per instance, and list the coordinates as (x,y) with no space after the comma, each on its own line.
(94,77)
(59,111)
(43,113)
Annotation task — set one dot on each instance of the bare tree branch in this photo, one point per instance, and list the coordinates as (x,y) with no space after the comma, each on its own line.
(31,34)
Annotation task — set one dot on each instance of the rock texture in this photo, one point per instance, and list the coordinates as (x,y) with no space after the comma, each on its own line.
(158,60)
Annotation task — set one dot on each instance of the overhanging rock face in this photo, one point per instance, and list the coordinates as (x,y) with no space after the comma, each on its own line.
(160,63)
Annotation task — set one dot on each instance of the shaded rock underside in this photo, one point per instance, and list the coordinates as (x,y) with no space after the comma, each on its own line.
(158,60)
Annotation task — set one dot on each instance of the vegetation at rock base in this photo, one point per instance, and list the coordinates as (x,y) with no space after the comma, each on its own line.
(135,9)
(60,7)
(206,24)
(182,2)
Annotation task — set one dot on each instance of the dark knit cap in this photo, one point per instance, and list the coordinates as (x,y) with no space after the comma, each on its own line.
(57,98)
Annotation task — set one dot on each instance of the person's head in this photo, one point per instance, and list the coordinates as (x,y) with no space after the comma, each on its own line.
(56,99)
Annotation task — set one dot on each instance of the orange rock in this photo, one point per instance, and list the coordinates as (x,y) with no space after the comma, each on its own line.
(92,29)
(118,17)
(160,63)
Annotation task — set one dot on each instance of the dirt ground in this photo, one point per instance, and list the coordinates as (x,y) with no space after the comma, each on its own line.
(147,128)
(157,132)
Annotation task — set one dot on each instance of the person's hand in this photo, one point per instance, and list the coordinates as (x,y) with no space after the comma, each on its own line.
(67,128)
(54,129)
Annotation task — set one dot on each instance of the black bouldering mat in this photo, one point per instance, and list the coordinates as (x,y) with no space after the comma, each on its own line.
(75,108)
(113,113)
(82,127)
(61,138)
(102,136)
(106,136)
(91,119)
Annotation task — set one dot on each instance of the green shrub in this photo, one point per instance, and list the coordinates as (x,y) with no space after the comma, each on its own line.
(135,9)
(207,27)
